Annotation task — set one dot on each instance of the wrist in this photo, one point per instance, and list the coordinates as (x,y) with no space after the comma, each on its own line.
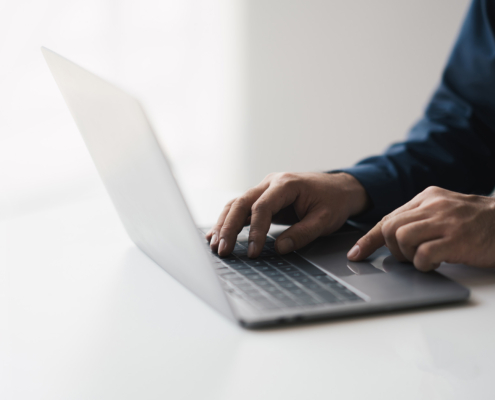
(354,193)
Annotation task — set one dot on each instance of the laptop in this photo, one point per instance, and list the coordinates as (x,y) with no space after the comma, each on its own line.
(314,283)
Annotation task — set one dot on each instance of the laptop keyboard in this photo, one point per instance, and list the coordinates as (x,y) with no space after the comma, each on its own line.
(273,282)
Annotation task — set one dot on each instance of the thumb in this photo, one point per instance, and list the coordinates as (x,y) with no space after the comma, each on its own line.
(367,245)
(302,233)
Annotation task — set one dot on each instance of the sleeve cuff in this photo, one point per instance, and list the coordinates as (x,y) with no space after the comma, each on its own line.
(383,190)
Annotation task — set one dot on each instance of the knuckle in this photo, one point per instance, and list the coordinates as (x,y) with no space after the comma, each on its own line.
(325,216)
(229,203)
(365,241)
(256,234)
(388,229)
(286,177)
(402,236)
(440,203)
(385,219)
(240,202)
(227,229)
(259,207)
(432,190)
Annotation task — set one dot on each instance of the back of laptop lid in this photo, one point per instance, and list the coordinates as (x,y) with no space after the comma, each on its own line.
(137,177)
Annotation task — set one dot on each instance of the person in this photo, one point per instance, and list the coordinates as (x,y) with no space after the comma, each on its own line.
(429,195)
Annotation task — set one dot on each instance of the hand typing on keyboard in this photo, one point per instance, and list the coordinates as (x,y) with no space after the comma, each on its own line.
(315,204)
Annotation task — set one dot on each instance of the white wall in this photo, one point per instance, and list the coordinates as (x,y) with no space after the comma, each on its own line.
(331,82)
(235,88)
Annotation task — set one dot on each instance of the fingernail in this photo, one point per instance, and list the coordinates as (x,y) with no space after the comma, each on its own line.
(222,246)
(285,246)
(354,252)
(251,249)
(214,239)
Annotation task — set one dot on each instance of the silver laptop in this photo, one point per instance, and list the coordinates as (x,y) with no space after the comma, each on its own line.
(316,282)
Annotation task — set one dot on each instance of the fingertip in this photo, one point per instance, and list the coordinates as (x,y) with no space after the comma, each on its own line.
(427,267)
(354,253)
(222,247)
(252,249)
(369,243)
(285,245)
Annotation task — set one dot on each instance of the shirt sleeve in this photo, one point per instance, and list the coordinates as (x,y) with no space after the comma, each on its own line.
(453,145)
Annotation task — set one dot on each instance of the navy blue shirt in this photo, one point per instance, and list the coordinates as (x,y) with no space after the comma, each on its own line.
(453,145)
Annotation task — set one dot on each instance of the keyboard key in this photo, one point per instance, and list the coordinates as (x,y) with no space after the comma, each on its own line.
(328,297)
(254,277)
(230,260)
(243,285)
(249,290)
(296,291)
(236,280)
(296,274)
(264,268)
(273,274)
(314,288)
(281,296)
(312,270)
(308,301)
(262,283)
(279,279)
(269,247)
(256,263)
(247,271)
(227,273)
(256,297)
(278,264)
(272,289)
(273,258)
(325,279)
(240,266)
(287,285)
(302,279)
(289,269)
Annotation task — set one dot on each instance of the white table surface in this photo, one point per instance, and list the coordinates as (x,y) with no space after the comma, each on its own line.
(86,315)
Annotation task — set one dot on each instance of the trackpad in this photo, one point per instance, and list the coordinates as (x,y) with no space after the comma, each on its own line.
(330,253)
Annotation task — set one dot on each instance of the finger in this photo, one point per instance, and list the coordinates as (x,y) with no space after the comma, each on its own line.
(430,254)
(367,245)
(410,236)
(393,223)
(274,199)
(235,219)
(374,239)
(299,235)
(212,235)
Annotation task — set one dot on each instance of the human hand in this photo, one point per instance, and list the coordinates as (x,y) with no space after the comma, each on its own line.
(315,203)
(436,226)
